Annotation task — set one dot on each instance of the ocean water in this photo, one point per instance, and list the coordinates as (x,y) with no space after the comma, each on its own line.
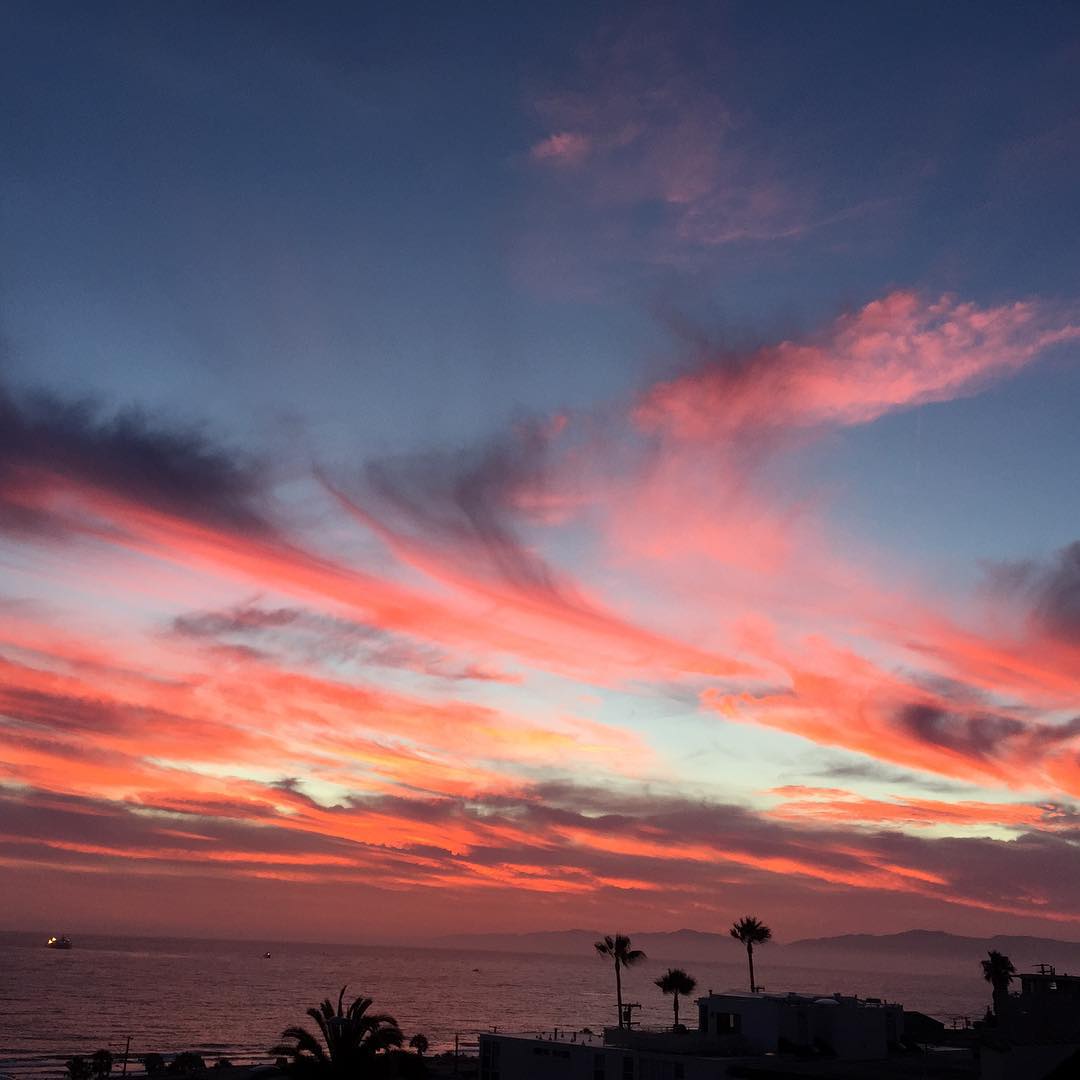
(226,998)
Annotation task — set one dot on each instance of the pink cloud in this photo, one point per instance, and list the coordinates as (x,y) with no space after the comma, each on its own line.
(673,542)
(567,148)
(893,353)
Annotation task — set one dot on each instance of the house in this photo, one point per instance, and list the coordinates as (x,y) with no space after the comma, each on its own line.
(841,1026)
(1037,1035)
(734,1030)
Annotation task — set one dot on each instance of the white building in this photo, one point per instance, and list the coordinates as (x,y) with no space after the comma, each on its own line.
(733,1030)
(849,1028)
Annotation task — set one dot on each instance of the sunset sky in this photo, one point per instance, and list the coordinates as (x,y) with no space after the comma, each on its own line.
(509,467)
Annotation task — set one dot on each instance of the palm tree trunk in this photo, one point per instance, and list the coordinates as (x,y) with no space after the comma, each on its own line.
(750,958)
(676,1008)
(618,990)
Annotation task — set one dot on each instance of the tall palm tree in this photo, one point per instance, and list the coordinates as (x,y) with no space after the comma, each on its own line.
(998,971)
(675,982)
(352,1037)
(751,931)
(618,949)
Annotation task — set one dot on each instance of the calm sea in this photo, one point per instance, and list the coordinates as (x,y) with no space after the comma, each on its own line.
(226,998)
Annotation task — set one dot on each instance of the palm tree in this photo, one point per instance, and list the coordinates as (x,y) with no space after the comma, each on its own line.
(751,931)
(352,1038)
(618,948)
(676,982)
(999,971)
(420,1044)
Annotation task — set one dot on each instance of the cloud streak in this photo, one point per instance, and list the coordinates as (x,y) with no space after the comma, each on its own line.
(460,700)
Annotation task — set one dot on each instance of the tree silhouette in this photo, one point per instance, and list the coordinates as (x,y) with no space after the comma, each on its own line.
(351,1039)
(751,931)
(102,1063)
(78,1068)
(187,1062)
(618,949)
(998,971)
(675,982)
(420,1044)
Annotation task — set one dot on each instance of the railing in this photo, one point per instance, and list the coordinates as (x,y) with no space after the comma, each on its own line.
(690,1041)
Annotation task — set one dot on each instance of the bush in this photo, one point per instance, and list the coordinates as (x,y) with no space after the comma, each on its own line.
(153,1064)
(78,1068)
(187,1062)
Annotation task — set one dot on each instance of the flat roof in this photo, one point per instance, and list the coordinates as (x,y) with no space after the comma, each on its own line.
(800,998)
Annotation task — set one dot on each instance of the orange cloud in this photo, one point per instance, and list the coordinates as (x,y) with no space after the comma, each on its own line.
(847,807)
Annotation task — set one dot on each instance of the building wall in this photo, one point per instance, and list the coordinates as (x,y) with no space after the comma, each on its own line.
(852,1030)
(758,1020)
(510,1057)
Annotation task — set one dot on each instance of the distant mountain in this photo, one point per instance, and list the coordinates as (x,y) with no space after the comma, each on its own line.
(910,949)
(1023,950)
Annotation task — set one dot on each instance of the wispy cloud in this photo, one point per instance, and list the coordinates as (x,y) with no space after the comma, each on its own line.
(894,353)
(433,705)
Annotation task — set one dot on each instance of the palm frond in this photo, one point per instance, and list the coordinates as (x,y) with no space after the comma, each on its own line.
(359,1006)
(303,1042)
(320,1019)
(377,1020)
(750,931)
(384,1039)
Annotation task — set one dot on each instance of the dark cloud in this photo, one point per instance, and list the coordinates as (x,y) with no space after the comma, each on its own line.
(1038,868)
(884,774)
(127,454)
(466,503)
(973,736)
(292,633)
(982,737)
(240,619)
(1058,595)
(1049,589)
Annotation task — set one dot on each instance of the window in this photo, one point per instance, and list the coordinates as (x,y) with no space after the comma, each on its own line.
(728,1023)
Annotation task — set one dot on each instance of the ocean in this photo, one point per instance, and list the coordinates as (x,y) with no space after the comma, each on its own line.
(222,998)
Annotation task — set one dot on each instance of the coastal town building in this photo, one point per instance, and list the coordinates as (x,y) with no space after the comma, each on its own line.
(1037,1035)
(733,1029)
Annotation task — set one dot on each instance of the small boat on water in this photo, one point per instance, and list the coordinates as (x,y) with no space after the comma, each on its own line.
(61,942)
